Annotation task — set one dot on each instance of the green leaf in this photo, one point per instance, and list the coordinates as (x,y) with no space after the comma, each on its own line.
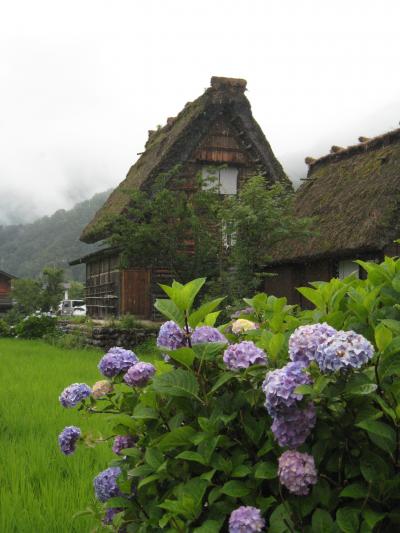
(191,456)
(276,343)
(322,521)
(360,390)
(207,351)
(312,295)
(209,526)
(265,470)
(177,437)
(355,491)
(383,336)
(154,457)
(347,519)
(211,318)
(171,311)
(141,470)
(386,434)
(390,366)
(190,291)
(184,356)
(373,517)
(205,309)
(224,378)
(236,489)
(241,471)
(373,467)
(147,480)
(305,390)
(123,420)
(118,501)
(180,383)
(145,413)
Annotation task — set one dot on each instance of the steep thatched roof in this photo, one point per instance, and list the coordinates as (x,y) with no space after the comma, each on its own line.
(354,195)
(175,142)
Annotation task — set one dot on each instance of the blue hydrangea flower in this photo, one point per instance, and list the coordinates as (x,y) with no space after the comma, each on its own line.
(244,354)
(171,336)
(345,349)
(297,472)
(68,438)
(305,340)
(116,360)
(105,484)
(207,334)
(246,519)
(74,394)
(279,386)
(292,427)
(139,374)
(121,442)
(110,513)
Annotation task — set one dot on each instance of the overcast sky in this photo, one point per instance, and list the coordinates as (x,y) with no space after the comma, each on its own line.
(81,82)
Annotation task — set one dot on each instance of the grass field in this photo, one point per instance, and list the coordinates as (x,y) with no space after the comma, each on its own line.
(41,489)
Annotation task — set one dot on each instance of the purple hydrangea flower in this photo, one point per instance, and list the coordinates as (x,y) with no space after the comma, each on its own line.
(171,336)
(245,311)
(115,361)
(244,354)
(207,334)
(68,438)
(292,427)
(74,394)
(279,386)
(138,375)
(246,519)
(105,484)
(305,340)
(110,513)
(297,472)
(345,349)
(121,442)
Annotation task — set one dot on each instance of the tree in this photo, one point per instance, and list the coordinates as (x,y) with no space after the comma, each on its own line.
(171,228)
(76,290)
(201,233)
(255,220)
(27,294)
(52,287)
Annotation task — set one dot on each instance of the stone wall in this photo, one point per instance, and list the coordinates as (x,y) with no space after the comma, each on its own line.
(106,337)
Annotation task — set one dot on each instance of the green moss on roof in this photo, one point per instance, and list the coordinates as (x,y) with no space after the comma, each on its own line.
(354,197)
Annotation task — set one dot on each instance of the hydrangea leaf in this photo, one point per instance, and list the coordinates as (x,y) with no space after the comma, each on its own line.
(181,383)
(322,521)
(380,433)
(347,519)
(235,489)
(355,491)
(200,314)
(169,309)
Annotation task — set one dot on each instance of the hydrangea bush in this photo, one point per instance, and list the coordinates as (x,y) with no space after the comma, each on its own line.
(283,420)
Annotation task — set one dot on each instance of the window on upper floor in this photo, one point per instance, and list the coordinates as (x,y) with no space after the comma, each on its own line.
(225,178)
(348,267)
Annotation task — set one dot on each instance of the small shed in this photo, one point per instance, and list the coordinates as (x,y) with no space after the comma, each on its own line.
(353,194)
(217,129)
(5,291)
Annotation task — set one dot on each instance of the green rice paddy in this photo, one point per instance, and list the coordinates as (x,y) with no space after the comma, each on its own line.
(41,489)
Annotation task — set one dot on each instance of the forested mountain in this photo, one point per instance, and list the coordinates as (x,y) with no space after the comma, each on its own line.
(52,240)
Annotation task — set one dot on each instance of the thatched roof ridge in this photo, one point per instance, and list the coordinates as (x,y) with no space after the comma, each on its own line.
(175,142)
(354,197)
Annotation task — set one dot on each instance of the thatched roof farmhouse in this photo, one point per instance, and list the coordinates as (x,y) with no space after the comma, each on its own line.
(217,128)
(353,194)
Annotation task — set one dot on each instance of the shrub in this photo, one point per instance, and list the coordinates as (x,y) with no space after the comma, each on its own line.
(5,329)
(306,441)
(35,327)
(128,321)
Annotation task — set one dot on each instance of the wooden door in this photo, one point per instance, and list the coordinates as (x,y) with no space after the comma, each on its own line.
(135,292)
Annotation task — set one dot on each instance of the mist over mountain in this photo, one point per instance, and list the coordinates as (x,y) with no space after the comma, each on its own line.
(51,240)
